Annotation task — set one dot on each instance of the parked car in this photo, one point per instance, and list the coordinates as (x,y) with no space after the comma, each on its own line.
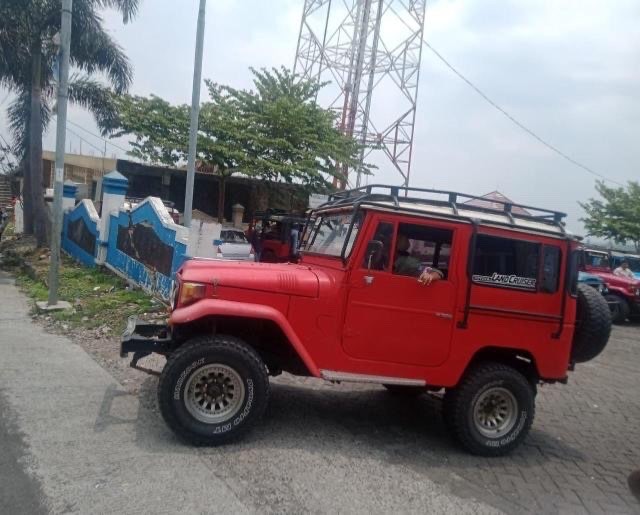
(594,281)
(598,283)
(233,244)
(626,292)
(506,315)
(634,261)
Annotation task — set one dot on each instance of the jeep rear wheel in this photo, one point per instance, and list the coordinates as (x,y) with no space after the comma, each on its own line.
(491,411)
(213,389)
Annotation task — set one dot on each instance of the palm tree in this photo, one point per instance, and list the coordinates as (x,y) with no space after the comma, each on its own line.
(27,57)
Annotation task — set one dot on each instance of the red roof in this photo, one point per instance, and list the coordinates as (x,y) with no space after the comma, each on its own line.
(496,200)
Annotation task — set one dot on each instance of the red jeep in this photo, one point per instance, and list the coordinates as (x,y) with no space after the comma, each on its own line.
(277,235)
(503,313)
(625,293)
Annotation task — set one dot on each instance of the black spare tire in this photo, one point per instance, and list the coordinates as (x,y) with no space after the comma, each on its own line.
(593,325)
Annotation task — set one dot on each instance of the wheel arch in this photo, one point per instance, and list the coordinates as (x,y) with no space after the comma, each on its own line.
(519,359)
(263,327)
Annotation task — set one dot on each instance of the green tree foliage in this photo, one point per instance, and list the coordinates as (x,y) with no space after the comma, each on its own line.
(27,56)
(275,132)
(616,216)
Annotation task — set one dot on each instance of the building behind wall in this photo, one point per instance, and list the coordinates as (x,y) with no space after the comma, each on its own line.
(169,184)
(85,171)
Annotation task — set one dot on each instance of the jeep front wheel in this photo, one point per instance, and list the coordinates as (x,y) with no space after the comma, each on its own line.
(621,309)
(213,389)
(491,411)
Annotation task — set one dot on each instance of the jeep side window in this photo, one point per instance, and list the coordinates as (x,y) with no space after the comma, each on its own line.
(381,260)
(550,269)
(419,247)
(506,263)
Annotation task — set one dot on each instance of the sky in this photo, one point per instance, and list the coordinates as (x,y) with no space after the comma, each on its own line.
(568,69)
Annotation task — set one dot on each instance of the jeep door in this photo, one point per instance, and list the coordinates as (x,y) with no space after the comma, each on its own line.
(390,316)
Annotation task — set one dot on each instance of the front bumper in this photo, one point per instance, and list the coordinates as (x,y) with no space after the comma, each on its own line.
(142,339)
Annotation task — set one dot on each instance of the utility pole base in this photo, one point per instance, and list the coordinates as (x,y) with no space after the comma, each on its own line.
(59,306)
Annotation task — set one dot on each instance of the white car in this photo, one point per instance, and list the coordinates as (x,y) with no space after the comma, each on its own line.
(233,244)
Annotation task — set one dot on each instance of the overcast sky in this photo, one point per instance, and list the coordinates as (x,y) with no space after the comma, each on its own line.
(568,69)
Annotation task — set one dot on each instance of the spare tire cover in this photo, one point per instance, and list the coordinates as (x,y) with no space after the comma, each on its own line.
(593,325)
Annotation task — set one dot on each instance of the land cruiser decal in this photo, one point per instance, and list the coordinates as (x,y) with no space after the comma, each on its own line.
(510,281)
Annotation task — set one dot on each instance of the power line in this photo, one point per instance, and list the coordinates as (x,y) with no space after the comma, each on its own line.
(5,141)
(86,141)
(516,122)
(97,136)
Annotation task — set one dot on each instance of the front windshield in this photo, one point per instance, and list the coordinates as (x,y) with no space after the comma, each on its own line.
(634,263)
(233,237)
(598,259)
(330,232)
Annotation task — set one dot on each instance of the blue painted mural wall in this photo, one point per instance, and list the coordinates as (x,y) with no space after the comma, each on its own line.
(144,245)
(86,214)
(136,263)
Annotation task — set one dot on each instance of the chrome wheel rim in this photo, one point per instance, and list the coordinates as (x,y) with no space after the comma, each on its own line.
(495,412)
(214,393)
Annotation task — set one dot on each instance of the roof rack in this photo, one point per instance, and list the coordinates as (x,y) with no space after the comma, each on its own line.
(452,199)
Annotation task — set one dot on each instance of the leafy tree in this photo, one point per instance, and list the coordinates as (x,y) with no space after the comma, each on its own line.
(616,216)
(276,132)
(7,158)
(27,56)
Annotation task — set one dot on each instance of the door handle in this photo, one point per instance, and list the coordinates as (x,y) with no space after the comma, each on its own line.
(446,316)
(368,280)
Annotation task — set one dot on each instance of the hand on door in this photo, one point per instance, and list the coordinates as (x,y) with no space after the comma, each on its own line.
(430,275)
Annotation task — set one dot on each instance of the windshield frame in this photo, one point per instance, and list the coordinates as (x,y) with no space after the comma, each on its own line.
(314,222)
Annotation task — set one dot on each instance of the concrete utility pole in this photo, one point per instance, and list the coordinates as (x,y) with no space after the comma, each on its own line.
(195,113)
(63,86)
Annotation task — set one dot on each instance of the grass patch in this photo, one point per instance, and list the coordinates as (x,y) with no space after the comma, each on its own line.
(99,298)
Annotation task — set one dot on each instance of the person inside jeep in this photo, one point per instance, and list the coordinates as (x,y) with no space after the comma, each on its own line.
(406,264)
(624,271)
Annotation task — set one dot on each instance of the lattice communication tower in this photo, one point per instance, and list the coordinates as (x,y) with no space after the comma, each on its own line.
(369,51)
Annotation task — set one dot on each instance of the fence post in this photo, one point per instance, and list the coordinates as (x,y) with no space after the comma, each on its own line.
(68,196)
(114,189)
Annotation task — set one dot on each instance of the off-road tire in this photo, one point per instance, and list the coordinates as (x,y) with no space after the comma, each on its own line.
(190,359)
(401,390)
(460,403)
(620,314)
(593,325)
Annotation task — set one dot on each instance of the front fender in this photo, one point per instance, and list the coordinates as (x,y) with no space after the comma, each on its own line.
(622,292)
(218,307)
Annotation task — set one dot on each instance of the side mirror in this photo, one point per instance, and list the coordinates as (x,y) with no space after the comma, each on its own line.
(374,249)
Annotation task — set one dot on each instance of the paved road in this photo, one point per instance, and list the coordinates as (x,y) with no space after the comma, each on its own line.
(81,444)
(322,448)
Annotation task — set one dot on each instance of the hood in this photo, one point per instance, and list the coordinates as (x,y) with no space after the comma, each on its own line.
(611,278)
(584,277)
(287,278)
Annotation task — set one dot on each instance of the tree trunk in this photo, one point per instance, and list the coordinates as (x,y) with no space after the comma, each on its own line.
(40,218)
(27,205)
(221,188)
